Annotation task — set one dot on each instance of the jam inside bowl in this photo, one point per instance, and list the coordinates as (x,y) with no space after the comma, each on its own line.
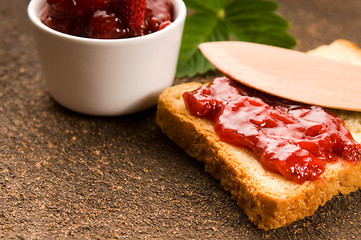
(107,77)
(107,19)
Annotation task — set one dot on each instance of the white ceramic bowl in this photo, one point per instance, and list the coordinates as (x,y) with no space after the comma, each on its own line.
(107,77)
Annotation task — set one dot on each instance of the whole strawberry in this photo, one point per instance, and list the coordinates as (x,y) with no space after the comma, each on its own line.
(132,13)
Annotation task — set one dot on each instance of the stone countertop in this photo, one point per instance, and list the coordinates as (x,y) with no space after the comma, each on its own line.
(64,175)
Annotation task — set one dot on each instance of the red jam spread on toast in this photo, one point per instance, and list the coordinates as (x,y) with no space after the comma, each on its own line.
(291,139)
(107,19)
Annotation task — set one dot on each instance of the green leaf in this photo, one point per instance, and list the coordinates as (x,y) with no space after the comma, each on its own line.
(221,20)
(191,61)
(206,5)
(259,25)
(251,6)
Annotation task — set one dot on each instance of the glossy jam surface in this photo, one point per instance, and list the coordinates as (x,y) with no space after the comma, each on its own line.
(107,19)
(290,139)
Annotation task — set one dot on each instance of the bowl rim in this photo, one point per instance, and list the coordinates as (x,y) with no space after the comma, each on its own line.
(35,6)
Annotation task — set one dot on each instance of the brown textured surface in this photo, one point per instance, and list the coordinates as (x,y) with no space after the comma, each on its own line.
(65,175)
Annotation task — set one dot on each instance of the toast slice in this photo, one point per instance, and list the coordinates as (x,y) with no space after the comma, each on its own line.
(269,200)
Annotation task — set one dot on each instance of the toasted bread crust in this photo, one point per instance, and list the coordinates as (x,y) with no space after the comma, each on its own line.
(269,200)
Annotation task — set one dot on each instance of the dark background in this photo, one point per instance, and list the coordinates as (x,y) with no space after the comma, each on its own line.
(66,175)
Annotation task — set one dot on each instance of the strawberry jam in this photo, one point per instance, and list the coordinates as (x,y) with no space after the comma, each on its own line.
(107,19)
(291,139)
